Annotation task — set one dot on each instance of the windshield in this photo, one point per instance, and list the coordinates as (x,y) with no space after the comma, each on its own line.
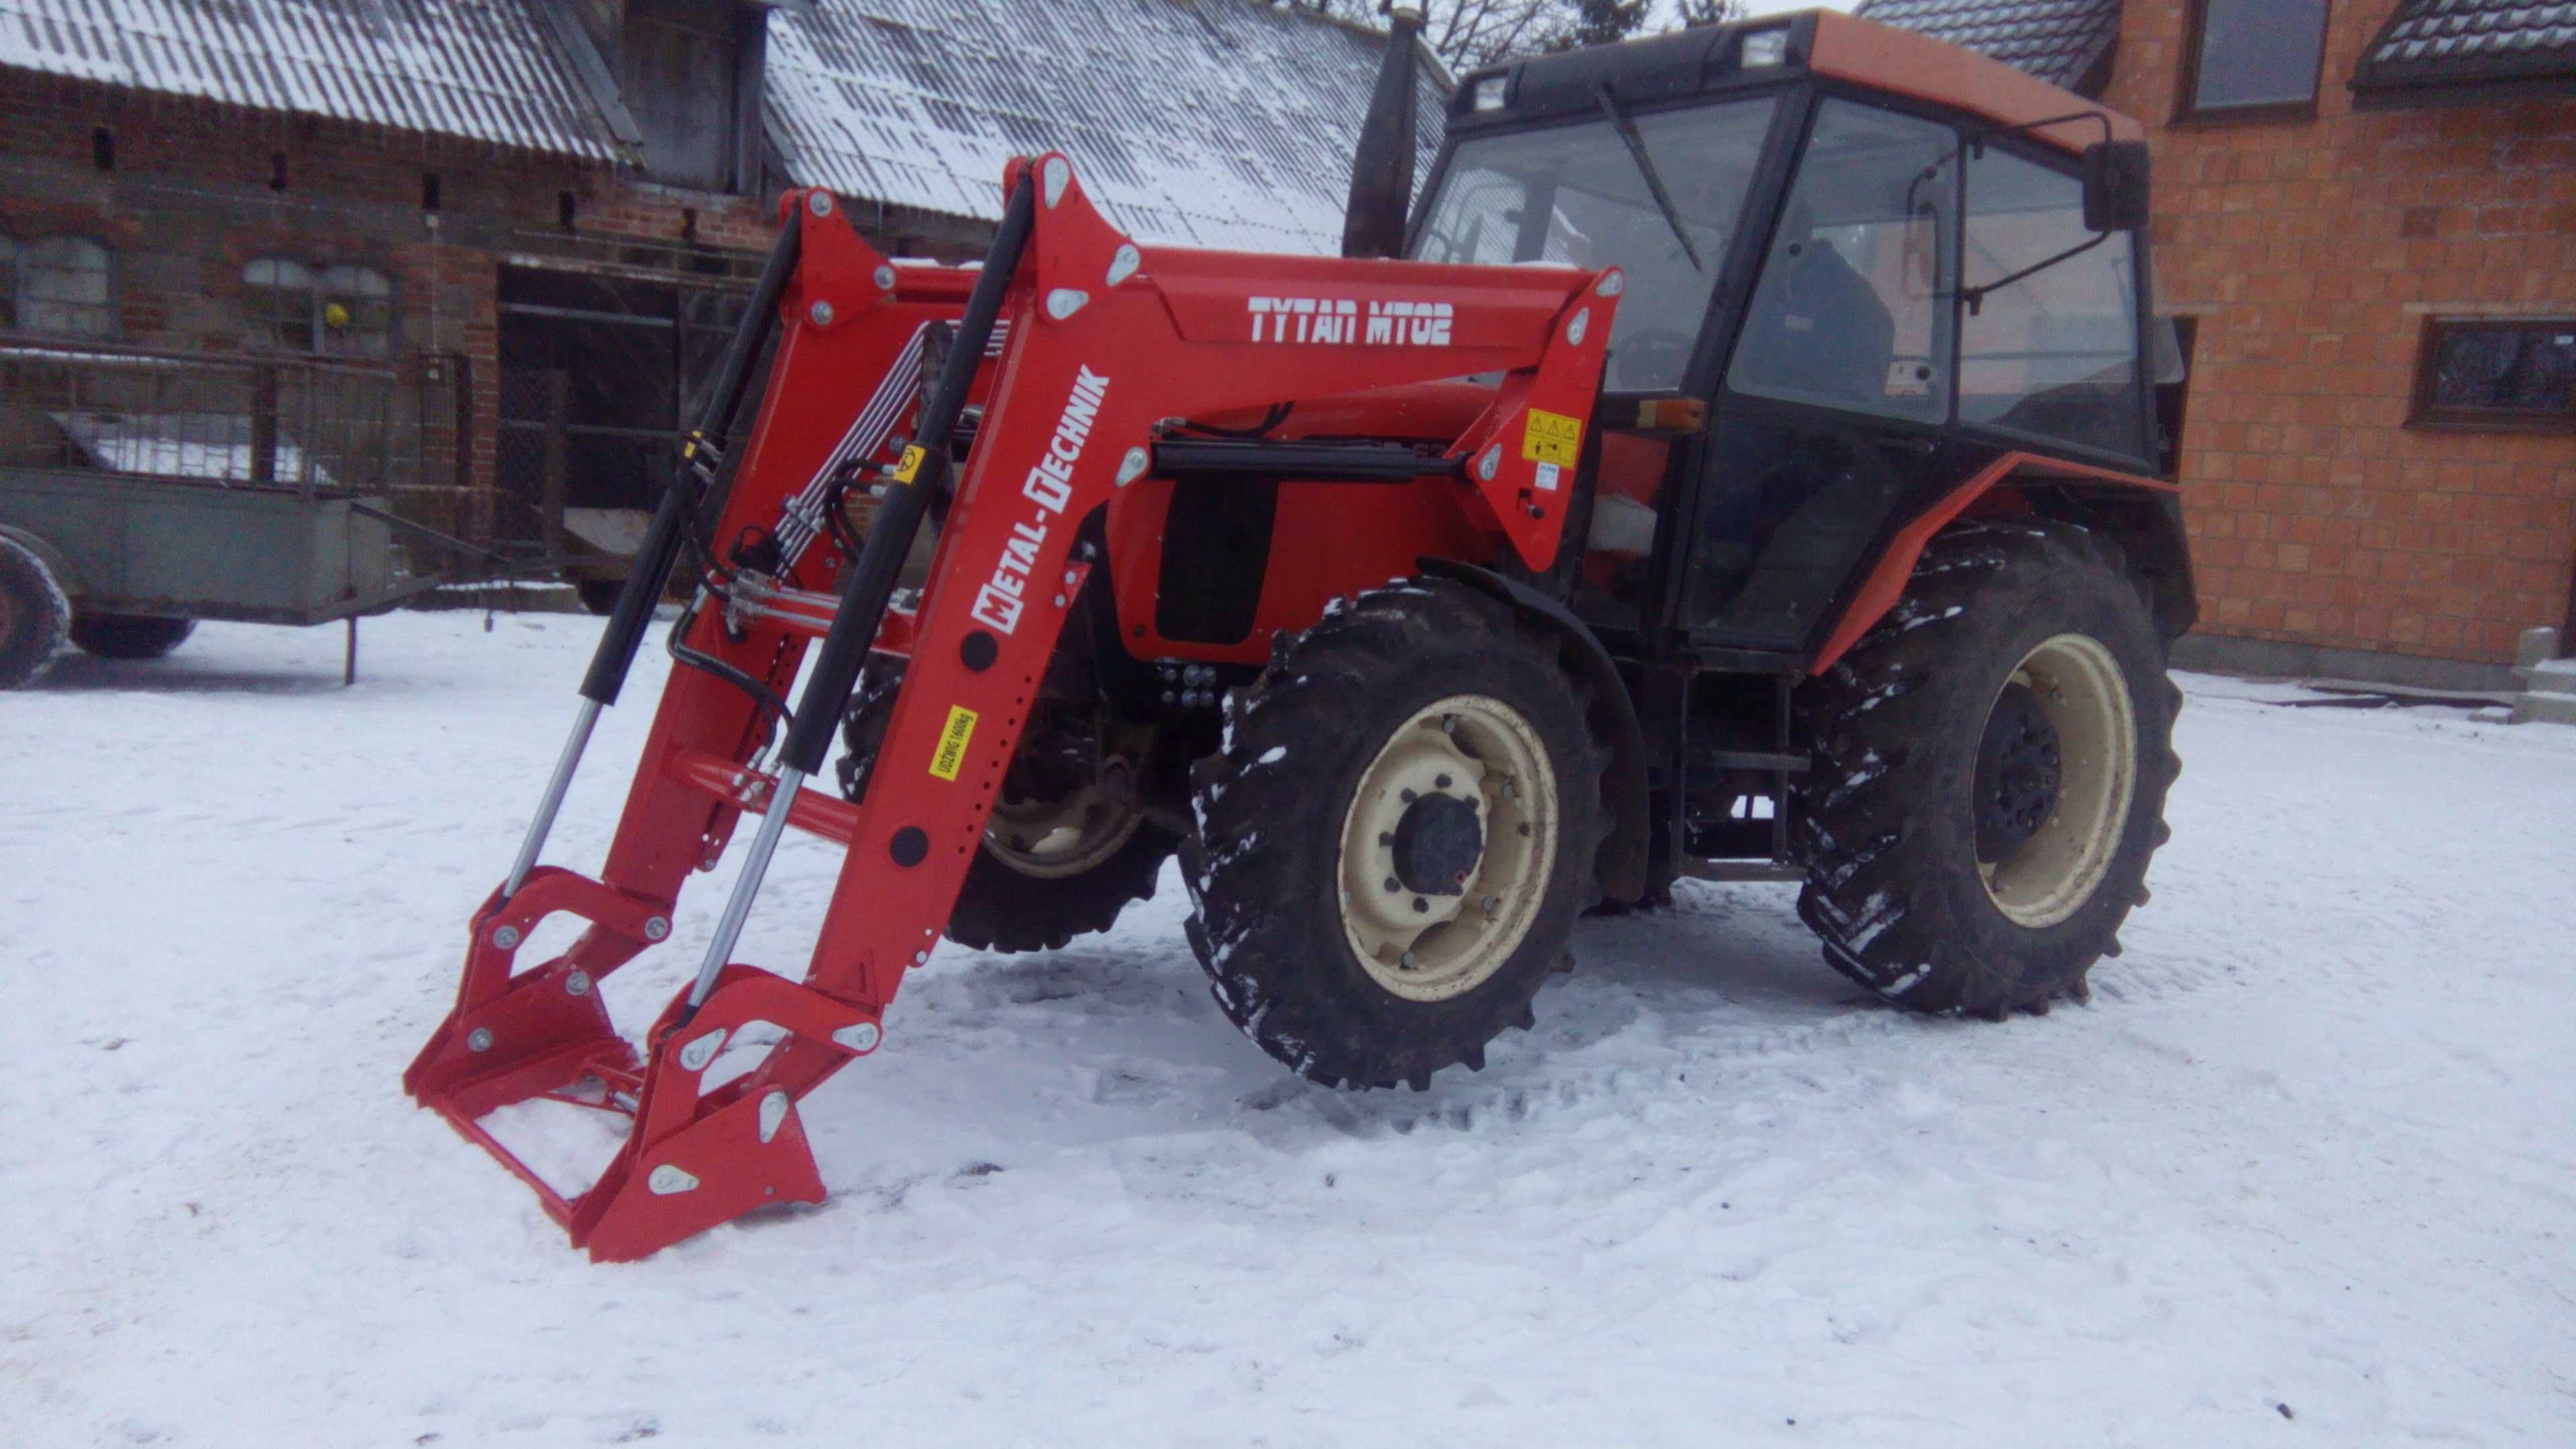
(1575,195)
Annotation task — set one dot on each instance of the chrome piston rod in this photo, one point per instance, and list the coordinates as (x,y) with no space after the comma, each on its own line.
(552,804)
(773,823)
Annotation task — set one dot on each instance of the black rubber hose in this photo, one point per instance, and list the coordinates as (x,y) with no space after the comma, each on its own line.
(650,572)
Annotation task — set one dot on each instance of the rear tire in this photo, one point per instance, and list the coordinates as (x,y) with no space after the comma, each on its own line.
(35,618)
(1989,774)
(129,636)
(1396,840)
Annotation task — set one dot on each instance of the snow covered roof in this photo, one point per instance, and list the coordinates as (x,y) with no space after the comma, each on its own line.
(2438,47)
(2059,41)
(485,70)
(1221,123)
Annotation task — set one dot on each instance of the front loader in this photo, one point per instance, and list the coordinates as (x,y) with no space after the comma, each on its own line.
(1747,471)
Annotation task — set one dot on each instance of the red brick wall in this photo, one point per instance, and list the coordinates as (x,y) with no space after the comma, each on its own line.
(190,202)
(2312,250)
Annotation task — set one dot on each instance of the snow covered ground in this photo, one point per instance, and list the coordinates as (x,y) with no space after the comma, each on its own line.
(2304,1172)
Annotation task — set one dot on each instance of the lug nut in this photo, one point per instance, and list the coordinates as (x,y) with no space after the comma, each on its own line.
(506,937)
(479,1039)
(657,928)
(577,984)
(1393,885)
(1420,904)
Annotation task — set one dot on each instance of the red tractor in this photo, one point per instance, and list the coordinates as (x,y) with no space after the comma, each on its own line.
(1748,469)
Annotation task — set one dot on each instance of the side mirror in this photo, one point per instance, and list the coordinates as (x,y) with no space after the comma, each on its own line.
(2115,185)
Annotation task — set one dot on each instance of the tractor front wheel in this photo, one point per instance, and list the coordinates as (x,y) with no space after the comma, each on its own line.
(1989,774)
(1397,837)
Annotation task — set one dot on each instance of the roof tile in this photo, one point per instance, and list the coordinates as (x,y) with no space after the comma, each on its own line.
(2059,41)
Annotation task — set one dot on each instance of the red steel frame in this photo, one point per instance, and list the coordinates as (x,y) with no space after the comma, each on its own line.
(1132,335)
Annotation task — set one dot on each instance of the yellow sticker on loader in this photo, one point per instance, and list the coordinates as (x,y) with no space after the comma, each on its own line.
(903,471)
(951,754)
(1551,438)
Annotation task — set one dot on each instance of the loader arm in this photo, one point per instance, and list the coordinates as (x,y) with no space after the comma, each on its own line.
(1078,344)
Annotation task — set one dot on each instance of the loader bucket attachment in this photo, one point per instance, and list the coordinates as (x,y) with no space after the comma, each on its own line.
(1074,342)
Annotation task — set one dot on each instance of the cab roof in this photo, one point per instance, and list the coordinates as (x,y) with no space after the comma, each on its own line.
(1823,44)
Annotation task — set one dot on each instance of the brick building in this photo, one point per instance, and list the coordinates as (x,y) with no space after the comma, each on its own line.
(2366,229)
(473,254)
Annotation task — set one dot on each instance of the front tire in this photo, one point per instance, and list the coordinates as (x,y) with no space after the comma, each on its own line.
(129,636)
(1396,840)
(1989,775)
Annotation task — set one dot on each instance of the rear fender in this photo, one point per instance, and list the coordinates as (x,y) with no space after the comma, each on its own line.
(2143,513)
(1623,856)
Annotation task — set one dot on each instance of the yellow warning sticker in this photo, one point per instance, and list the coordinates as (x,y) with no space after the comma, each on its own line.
(903,471)
(1551,438)
(951,754)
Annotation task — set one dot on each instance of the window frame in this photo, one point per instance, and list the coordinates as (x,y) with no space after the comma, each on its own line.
(261,315)
(2141,316)
(109,305)
(2424,414)
(2188,109)
(1946,263)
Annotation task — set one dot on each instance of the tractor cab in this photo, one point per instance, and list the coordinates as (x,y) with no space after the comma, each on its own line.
(1862,268)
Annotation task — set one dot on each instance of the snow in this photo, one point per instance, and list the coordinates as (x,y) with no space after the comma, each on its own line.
(2307,1153)
(481,69)
(1222,123)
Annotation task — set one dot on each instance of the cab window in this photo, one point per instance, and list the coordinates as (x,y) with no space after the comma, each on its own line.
(2052,354)
(1852,311)
(1574,195)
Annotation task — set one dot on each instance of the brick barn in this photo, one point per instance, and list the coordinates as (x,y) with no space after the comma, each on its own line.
(2365,229)
(473,255)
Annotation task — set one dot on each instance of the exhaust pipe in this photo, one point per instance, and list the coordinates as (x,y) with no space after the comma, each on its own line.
(1382,165)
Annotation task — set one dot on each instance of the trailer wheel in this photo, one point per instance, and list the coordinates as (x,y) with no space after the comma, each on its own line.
(1396,840)
(1062,856)
(1989,774)
(129,636)
(35,618)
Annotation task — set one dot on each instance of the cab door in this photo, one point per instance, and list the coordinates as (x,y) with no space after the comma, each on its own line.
(1837,395)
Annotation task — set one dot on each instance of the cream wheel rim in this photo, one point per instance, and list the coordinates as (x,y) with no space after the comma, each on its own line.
(1429,914)
(2081,689)
(1054,839)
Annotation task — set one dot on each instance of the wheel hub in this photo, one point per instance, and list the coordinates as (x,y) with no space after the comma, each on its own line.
(2017,773)
(2057,769)
(1437,845)
(1447,846)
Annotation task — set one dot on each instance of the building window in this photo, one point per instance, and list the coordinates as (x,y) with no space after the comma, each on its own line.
(338,311)
(2517,375)
(356,311)
(63,288)
(2252,59)
(280,296)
